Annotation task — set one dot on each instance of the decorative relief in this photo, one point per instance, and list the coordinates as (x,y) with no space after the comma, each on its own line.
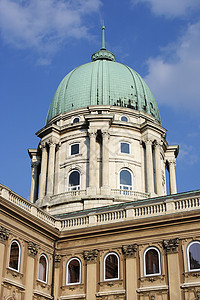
(129,250)
(57,260)
(4,234)
(91,256)
(32,249)
(171,246)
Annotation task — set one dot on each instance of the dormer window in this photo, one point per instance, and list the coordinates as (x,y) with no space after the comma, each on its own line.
(124,119)
(76,120)
(74,149)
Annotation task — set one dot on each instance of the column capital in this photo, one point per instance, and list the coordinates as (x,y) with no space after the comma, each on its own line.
(129,250)
(172,162)
(148,141)
(52,142)
(171,246)
(4,234)
(42,145)
(157,143)
(32,249)
(92,132)
(57,260)
(35,164)
(105,132)
(91,256)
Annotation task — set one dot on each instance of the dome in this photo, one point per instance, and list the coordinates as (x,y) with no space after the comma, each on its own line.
(103,82)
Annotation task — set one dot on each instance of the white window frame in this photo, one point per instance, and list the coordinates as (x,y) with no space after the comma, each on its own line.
(47,268)
(67,274)
(74,119)
(144,262)
(129,187)
(125,117)
(70,188)
(70,149)
(19,258)
(104,266)
(188,257)
(124,142)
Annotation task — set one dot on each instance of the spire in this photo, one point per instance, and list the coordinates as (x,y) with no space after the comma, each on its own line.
(103,53)
(103,37)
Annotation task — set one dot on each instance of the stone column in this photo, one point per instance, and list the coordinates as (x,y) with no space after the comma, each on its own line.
(92,158)
(149,166)
(57,276)
(105,158)
(172,176)
(129,252)
(51,167)
(34,181)
(171,248)
(159,187)
(29,280)
(43,175)
(91,260)
(4,234)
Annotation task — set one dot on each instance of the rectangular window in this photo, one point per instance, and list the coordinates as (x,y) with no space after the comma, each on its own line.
(74,149)
(125,148)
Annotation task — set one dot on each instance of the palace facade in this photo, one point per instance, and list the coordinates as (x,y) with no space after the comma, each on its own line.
(99,223)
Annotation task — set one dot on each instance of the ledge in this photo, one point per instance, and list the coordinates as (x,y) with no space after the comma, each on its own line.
(12,282)
(36,292)
(190,284)
(152,288)
(107,293)
(78,296)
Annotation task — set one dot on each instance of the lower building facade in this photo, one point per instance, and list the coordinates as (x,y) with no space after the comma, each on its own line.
(144,249)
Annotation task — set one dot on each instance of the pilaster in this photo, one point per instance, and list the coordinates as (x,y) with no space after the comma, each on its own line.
(32,250)
(51,166)
(159,186)
(4,234)
(105,158)
(129,252)
(43,174)
(171,248)
(91,277)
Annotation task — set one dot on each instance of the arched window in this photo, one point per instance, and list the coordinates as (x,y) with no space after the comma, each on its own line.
(43,268)
(15,253)
(76,120)
(124,119)
(125,180)
(74,181)
(111,266)
(152,262)
(193,256)
(73,271)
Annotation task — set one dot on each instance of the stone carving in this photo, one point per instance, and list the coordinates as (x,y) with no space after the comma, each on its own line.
(32,249)
(91,255)
(171,245)
(4,233)
(129,250)
(57,260)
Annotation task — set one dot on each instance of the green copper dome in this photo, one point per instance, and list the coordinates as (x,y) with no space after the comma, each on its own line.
(103,82)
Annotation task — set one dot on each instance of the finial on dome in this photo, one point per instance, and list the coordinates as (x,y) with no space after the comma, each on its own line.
(103,53)
(103,37)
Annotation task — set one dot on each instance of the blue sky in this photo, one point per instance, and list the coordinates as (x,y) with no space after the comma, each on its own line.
(42,40)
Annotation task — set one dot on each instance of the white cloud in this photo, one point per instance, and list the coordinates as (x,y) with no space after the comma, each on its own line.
(170,8)
(177,83)
(188,154)
(44,24)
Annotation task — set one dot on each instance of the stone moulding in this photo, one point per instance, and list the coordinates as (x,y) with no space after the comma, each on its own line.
(91,256)
(14,283)
(129,250)
(4,234)
(171,246)
(71,297)
(152,288)
(42,294)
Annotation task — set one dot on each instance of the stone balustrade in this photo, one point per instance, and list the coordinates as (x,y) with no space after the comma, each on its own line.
(115,213)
